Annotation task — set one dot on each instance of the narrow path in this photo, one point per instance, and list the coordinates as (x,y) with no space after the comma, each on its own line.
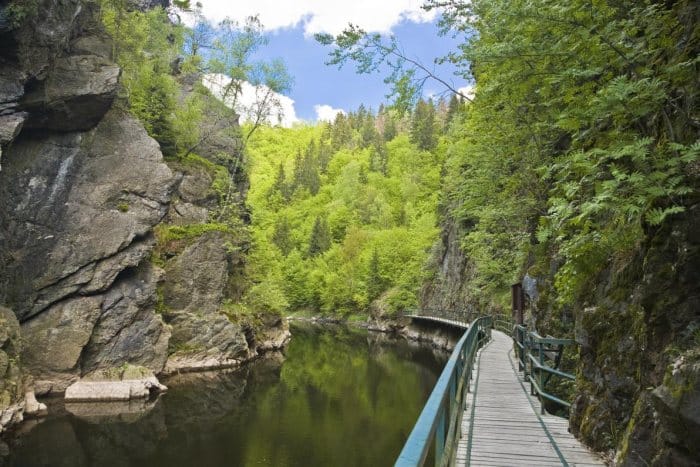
(451,322)
(502,425)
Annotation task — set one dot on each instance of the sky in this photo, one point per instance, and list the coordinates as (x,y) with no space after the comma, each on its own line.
(319,91)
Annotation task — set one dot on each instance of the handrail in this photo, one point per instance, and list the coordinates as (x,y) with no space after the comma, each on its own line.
(441,418)
(532,351)
(464,316)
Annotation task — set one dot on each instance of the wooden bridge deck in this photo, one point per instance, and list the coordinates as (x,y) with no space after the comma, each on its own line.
(506,428)
(451,322)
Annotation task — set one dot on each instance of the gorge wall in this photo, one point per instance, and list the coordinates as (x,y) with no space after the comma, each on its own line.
(92,289)
(637,394)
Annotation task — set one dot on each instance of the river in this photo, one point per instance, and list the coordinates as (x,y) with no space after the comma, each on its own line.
(337,397)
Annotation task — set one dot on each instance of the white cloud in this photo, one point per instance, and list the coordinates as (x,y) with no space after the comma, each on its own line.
(330,16)
(469,91)
(282,107)
(326,113)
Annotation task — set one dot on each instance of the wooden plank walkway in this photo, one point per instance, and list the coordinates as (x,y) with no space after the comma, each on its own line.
(451,322)
(506,428)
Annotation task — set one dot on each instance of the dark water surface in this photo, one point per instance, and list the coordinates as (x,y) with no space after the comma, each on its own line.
(339,397)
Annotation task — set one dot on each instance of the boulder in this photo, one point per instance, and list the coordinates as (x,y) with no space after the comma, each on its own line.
(32,407)
(102,391)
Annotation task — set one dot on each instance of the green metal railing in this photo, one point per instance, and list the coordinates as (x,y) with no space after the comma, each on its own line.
(439,423)
(503,324)
(462,316)
(535,353)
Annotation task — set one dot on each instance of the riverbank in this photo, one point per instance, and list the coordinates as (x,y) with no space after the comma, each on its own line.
(436,335)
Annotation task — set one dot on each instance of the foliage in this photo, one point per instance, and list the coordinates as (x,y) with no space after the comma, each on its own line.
(144,45)
(581,138)
(342,232)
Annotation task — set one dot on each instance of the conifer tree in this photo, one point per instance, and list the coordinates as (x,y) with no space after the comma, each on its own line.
(281,237)
(423,125)
(320,239)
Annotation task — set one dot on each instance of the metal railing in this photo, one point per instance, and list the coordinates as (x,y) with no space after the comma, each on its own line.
(534,356)
(463,316)
(504,324)
(440,421)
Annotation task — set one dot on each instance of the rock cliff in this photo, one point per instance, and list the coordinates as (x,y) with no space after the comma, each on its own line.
(83,192)
(637,394)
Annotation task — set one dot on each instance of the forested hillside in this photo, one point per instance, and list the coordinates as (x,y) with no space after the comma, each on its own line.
(344,214)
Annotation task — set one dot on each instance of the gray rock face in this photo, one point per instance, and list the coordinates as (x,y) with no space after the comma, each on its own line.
(77,93)
(639,387)
(128,330)
(81,189)
(85,203)
(448,289)
(197,277)
(12,381)
(201,337)
(55,340)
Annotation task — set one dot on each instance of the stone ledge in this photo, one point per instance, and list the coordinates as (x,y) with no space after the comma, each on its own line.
(101,391)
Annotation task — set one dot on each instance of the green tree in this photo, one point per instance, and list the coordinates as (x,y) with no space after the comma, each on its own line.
(320,239)
(375,281)
(424,125)
(282,236)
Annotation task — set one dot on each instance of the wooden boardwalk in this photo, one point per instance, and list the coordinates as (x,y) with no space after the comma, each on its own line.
(451,322)
(502,425)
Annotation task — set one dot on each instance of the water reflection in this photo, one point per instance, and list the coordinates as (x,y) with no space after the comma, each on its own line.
(337,397)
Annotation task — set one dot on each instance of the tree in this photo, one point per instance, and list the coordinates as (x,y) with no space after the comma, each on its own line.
(368,132)
(341,132)
(280,185)
(324,156)
(199,38)
(453,109)
(282,237)
(390,130)
(424,126)
(233,72)
(375,280)
(144,45)
(320,239)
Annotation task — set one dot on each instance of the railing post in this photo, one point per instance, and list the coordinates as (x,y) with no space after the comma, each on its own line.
(540,376)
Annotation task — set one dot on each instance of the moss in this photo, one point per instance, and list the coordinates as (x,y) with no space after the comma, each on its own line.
(623,451)
(156,259)
(160,307)
(221,180)
(122,372)
(123,207)
(184,348)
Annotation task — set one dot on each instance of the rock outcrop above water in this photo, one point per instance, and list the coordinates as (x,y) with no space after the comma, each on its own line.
(83,191)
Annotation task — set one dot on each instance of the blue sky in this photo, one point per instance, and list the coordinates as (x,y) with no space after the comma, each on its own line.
(292,24)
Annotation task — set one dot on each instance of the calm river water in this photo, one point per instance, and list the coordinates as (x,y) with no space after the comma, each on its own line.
(338,397)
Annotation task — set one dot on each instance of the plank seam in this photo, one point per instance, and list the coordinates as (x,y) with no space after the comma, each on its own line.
(539,418)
